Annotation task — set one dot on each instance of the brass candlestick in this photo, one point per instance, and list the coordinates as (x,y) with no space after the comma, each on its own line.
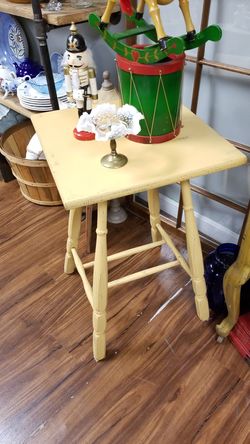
(114,159)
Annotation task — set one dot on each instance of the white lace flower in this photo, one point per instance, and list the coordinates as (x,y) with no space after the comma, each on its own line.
(85,123)
(129,115)
(117,130)
(108,122)
(103,112)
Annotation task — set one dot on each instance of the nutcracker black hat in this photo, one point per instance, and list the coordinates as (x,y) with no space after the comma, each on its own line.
(75,41)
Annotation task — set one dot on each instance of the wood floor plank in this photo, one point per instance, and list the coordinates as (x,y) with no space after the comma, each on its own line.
(165,378)
(31,365)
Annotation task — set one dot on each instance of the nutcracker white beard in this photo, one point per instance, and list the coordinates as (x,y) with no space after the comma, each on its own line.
(70,58)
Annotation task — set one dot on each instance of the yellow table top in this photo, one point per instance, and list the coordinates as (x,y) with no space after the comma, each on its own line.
(82,180)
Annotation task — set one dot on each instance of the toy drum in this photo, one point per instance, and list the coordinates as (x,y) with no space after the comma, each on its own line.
(155,90)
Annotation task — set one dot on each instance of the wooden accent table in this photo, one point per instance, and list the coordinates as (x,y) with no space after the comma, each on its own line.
(83,181)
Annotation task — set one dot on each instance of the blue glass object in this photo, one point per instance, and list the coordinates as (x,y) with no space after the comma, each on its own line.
(216,265)
(27,67)
(39,83)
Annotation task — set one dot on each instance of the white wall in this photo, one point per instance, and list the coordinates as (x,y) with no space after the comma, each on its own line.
(224,103)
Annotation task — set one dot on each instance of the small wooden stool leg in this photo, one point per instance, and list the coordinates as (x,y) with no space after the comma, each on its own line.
(194,254)
(88,225)
(100,284)
(154,211)
(236,276)
(74,226)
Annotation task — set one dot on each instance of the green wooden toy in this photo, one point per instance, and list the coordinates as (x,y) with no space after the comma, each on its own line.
(150,76)
(153,53)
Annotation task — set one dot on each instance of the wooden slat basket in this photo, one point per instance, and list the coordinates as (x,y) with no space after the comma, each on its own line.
(34,176)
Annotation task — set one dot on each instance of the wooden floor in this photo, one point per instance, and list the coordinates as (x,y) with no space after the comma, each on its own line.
(165,380)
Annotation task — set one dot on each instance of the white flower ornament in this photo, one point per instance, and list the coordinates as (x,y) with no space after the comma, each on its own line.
(108,122)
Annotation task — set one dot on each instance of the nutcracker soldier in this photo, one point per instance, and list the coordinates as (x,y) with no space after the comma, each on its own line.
(80,77)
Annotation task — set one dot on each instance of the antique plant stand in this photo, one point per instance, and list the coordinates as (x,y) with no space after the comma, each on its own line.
(83,181)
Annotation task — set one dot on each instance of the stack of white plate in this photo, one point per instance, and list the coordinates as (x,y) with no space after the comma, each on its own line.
(33,100)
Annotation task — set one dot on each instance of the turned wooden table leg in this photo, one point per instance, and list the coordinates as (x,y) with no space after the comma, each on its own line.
(154,211)
(88,224)
(100,284)
(74,226)
(194,254)
(236,276)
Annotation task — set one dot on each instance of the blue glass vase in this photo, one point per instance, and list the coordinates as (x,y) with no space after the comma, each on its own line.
(216,265)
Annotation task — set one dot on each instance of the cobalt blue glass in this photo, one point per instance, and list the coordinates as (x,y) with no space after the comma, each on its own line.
(28,68)
(216,265)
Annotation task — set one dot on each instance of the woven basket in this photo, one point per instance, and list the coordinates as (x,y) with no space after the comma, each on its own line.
(34,176)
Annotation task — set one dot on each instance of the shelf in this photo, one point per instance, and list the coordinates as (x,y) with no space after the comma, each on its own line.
(64,17)
(12,102)
(61,18)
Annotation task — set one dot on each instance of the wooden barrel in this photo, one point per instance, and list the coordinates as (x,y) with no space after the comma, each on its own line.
(34,176)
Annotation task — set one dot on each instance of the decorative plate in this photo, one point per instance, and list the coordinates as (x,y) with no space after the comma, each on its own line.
(13,42)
